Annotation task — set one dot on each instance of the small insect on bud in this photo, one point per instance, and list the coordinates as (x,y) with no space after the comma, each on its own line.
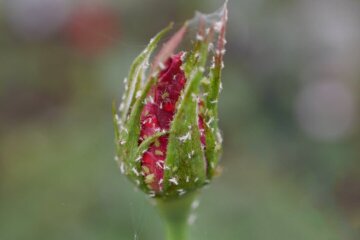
(166,139)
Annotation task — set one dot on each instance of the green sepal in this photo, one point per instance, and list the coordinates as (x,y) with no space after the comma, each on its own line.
(185,162)
(136,73)
(129,132)
(213,137)
(116,125)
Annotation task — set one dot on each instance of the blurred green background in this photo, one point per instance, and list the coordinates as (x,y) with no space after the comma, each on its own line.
(289,115)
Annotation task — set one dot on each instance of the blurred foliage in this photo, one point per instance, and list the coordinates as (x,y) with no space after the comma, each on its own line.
(283,178)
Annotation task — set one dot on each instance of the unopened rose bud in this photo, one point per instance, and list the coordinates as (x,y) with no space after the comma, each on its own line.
(167,136)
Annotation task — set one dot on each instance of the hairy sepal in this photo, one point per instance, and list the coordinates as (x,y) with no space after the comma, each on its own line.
(185,163)
(127,130)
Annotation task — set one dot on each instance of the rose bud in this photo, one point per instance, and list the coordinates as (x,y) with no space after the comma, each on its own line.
(167,135)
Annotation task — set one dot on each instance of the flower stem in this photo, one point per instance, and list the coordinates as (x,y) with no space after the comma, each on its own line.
(176,231)
(175,213)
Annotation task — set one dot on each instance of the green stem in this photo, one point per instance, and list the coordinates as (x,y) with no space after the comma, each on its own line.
(175,213)
(176,231)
